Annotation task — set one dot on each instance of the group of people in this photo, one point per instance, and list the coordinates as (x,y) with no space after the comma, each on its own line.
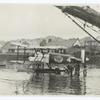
(73,68)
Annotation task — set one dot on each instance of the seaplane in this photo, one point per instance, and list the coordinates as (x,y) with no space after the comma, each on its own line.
(53,62)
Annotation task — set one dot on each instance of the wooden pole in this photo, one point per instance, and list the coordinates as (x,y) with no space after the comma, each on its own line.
(24,57)
(17,53)
(83,56)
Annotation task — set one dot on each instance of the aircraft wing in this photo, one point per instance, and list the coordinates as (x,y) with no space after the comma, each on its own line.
(62,58)
(85,13)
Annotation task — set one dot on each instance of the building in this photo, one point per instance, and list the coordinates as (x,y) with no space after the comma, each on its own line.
(92,43)
(11,47)
(58,46)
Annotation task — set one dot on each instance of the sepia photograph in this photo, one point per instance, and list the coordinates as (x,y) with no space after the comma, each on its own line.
(49,49)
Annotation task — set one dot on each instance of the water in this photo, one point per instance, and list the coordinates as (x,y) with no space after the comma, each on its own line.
(52,84)
(22,83)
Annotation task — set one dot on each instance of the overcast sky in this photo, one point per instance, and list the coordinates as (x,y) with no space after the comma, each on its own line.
(33,21)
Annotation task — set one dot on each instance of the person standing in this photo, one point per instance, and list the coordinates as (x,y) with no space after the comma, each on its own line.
(77,69)
(70,69)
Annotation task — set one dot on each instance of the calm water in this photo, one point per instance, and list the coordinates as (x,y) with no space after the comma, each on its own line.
(63,84)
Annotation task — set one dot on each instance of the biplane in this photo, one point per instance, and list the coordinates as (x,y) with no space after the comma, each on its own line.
(53,62)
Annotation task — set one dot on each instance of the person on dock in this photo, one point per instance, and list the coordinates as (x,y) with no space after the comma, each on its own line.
(70,69)
(77,69)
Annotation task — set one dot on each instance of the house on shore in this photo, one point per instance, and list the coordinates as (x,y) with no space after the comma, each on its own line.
(11,47)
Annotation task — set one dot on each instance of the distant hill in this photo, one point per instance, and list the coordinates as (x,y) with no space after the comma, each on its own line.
(49,41)
(29,42)
(56,41)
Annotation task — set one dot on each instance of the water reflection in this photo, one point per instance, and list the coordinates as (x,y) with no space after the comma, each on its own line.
(75,85)
(84,85)
(55,84)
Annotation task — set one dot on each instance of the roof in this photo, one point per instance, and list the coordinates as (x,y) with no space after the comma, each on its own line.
(12,45)
(18,44)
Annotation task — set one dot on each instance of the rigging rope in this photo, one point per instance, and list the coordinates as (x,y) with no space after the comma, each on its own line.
(89,26)
(81,27)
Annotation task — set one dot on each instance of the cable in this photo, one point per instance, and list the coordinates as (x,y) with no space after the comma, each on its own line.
(82,28)
(89,26)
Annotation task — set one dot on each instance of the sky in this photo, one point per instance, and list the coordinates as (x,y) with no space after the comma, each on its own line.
(31,21)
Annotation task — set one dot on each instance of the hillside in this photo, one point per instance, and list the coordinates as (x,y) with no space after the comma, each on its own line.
(48,41)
